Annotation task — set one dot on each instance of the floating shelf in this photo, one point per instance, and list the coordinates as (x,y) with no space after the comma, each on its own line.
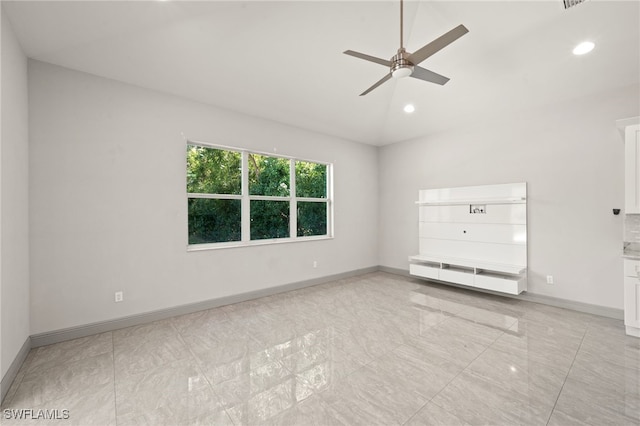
(470,263)
(518,200)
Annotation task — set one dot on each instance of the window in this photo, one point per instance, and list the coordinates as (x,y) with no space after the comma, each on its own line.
(241,198)
(214,184)
(311,193)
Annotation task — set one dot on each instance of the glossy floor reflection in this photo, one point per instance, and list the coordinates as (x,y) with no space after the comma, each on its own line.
(375,349)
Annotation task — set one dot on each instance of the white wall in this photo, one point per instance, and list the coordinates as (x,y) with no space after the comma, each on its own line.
(108,202)
(14,188)
(570,154)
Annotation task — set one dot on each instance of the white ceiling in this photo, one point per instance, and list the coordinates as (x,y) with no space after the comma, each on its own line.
(283,60)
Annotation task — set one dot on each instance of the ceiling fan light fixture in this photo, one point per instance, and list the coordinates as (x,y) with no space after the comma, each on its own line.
(400,65)
(402,72)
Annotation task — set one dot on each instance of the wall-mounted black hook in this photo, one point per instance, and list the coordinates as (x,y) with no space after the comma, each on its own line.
(616,211)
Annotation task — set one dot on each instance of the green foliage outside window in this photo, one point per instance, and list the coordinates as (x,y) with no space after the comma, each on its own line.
(312,218)
(213,171)
(219,219)
(214,221)
(311,180)
(268,176)
(269,219)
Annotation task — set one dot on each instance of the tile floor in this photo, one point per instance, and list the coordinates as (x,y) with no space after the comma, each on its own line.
(375,349)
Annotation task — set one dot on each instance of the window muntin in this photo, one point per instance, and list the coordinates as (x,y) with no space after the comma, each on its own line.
(237,197)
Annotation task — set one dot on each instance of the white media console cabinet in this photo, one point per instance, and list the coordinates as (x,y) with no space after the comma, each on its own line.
(474,236)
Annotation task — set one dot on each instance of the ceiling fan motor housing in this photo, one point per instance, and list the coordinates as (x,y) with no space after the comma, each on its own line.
(400,65)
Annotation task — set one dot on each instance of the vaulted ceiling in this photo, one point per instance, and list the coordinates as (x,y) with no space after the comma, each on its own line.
(282,60)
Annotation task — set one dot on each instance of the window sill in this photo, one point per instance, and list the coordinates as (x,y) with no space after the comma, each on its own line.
(238,244)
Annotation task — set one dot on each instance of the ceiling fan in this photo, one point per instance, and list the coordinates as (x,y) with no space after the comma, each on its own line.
(405,64)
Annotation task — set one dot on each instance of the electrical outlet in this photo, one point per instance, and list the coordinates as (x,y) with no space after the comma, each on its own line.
(119,297)
(549,279)
(315,263)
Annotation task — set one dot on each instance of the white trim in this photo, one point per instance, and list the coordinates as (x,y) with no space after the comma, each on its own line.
(330,201)
(293,203)
(268,198)
(214,196)
(245,208)
(312,200)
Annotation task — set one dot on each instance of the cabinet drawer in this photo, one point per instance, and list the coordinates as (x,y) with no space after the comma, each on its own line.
(424,271)
(631,268)
(504,284)
(457,276)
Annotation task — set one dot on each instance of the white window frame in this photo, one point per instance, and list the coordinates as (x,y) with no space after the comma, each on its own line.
(246,199)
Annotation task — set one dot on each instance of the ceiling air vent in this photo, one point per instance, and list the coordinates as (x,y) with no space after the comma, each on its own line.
(571,3)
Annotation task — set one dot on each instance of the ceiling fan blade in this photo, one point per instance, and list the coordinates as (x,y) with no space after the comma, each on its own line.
(370,58)
(436,45)
(426,75)
(378,83)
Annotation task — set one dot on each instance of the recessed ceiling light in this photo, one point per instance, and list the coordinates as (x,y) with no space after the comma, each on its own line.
(409,108)
(584,47)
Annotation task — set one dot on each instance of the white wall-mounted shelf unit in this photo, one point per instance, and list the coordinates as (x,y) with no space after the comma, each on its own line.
(474,236)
